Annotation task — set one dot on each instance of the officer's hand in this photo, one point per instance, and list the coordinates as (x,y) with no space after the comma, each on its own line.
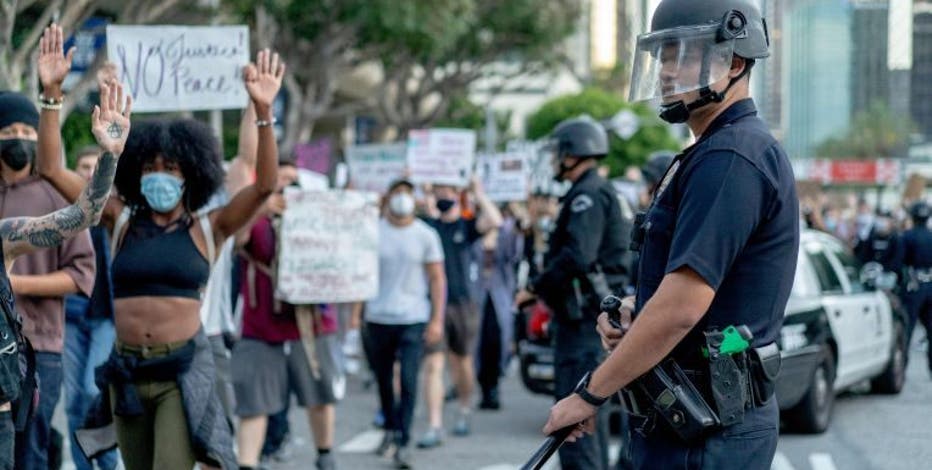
(569,411)
(611,336)
(523,297)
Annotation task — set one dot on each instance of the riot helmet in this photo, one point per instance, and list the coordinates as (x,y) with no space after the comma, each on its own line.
(581,138)
(690,47)
(656,167)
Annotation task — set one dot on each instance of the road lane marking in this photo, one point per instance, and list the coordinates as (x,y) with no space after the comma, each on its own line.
(363,443)
(780,462)
(821,462)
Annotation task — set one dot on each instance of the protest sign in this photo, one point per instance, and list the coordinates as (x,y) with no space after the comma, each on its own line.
(329,247)
(181,68)
(441,156)
(314,156)
(540,167)
(504,176)
(374,167)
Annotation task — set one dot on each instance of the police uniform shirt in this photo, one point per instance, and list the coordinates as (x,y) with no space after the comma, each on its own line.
(730,213)
(917,248)
(588,230)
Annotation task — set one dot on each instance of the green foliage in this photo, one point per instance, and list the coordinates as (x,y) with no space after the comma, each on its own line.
(652,135)
(875,133)
(76,134)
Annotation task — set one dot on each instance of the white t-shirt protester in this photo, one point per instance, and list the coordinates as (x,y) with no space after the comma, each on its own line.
(403,284)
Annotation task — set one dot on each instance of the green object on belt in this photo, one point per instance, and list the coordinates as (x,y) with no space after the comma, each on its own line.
(734,342)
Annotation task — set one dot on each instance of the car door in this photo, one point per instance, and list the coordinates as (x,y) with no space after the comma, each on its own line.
(842,317)
(874,326)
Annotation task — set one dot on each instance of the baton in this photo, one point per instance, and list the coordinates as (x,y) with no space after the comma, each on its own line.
(610,305)
(548,448)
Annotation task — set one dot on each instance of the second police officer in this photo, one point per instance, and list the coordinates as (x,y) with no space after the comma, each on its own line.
(915,262)
(719,248)
(586,260)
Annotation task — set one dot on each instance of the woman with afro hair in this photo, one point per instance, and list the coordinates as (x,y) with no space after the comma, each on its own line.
(160,373)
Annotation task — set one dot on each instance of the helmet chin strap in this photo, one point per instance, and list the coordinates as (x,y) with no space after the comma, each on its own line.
(678,112)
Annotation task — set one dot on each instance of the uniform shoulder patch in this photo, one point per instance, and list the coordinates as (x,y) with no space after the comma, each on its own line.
(581,203)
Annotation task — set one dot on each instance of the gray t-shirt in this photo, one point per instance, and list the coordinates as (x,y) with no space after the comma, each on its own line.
(403,284)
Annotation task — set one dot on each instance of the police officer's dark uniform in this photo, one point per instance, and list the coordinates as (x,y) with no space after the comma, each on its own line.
(590,240)
(880,244)
(915,259)
(727,209)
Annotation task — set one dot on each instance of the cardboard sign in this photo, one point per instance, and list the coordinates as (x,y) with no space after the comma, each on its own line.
(504,176)
(441,156)
(374,167)
(329,247)
(181,68)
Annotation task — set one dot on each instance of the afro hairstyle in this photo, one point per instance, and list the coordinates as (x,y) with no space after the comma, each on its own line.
(190,143)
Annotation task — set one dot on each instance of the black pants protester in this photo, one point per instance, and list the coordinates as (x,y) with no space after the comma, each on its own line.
(919,306)
(490,349)
(7,438)
(577,350)
(386,343)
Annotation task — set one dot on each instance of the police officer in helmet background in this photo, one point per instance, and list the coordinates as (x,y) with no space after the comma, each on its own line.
(719,246)
(586,259)
(915,260)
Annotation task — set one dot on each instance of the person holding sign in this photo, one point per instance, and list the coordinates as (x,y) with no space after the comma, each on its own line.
(160,375)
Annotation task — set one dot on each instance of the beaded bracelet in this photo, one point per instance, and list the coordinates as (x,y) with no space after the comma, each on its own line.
(265,123)
(51,101)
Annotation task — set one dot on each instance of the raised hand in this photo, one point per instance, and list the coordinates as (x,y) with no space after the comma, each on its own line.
(53,64)
(264,79)
(110,121)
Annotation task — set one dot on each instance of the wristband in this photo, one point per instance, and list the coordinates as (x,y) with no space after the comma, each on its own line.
(265,123)
(51,107)
(51,101)
(585,395)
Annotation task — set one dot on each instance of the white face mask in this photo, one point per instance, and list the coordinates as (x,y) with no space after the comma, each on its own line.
(401,204)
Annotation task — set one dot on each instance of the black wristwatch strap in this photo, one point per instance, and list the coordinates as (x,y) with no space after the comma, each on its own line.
(585,395)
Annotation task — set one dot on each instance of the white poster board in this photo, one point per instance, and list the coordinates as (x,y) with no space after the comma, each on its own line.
(181,68)
(329,247)
(441,156)
(373,167)
(504,176)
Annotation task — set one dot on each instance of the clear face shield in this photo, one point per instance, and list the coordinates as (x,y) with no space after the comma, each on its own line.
(672,63)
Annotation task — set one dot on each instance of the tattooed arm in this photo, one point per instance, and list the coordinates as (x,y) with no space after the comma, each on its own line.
(22,235)
(110,125)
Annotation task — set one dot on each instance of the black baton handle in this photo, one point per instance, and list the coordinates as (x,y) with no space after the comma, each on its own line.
(548,448)
(612,306)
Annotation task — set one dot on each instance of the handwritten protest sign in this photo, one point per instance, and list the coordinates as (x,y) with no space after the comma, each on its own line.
(178,68)
(540,167)
(329,247)
(504,176)
(374,167)
(441,156)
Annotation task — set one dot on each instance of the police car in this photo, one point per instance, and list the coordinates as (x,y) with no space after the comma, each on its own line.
(842,328)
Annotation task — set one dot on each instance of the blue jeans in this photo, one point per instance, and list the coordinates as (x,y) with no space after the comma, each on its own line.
(87,345)
(404,343)
(32,445)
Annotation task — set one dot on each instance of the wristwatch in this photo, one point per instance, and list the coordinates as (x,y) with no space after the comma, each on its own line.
(585,395)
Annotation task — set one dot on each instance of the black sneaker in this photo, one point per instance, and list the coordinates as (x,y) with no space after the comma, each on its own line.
(403,458)
(387,446)
(490,401)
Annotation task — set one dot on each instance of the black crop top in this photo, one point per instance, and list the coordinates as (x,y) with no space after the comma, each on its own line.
(158,263)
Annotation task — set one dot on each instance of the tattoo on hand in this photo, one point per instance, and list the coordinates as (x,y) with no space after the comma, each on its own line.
(103,177)
(115,131)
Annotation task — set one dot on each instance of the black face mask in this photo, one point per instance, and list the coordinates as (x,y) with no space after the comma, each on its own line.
(443,205)
(17,153)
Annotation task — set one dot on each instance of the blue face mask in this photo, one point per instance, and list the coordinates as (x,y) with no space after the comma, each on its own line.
(162,191)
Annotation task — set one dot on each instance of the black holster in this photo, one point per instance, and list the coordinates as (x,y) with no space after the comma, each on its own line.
(667,392)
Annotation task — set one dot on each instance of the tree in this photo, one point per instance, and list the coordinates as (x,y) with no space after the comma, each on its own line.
(432,51)
(874,133)
(652,134)
(22,23)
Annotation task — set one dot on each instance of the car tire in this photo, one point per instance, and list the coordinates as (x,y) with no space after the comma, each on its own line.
(891,381)
(813,413)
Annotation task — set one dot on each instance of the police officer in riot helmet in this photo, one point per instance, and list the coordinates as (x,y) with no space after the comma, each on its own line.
(586,260)
(880,244)
(718,249)
(915,262)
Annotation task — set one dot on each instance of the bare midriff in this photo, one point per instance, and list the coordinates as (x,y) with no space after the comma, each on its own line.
(152,321)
